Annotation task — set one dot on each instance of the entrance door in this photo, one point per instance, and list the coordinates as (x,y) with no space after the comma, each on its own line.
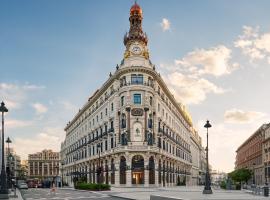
(137,170)
(137,178)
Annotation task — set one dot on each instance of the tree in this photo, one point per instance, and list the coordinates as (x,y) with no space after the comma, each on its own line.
(240,175)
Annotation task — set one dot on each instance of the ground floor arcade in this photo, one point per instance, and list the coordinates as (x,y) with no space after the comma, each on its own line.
(130,169)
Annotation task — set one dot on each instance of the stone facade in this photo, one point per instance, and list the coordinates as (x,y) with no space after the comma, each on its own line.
(131,131)
(249,155)
(43,165)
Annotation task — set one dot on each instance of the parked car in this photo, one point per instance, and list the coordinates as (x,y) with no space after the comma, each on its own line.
(23,186)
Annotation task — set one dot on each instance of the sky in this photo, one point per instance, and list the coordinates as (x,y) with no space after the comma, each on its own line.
(214,56)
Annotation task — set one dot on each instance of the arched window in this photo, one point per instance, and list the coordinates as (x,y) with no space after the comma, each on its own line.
(123,121)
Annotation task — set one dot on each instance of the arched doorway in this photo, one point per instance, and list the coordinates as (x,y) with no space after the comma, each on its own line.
(123,170)
(94,173)
(137,174)
(106,171)
(151,170)
(159,172)
(112,171)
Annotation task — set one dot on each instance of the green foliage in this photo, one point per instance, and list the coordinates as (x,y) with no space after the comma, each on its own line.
(223,184)
(92,186)
(240,175)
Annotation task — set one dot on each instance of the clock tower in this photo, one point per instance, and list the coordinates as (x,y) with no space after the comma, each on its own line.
(136,40)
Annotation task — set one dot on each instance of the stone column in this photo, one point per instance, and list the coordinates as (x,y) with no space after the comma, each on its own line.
(128,172)
(146,172)
(128,123)
(117,171)
(156,172)
(145,124)
(119,127)
(153,127)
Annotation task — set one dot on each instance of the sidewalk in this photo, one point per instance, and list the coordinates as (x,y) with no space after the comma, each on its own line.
(187,193)
(18,193)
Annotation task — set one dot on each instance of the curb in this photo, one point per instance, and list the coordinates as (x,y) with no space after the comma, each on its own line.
(119,197)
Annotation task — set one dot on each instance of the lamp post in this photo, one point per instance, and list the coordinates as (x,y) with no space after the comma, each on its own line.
(207,188)
(8,141)
(3,176)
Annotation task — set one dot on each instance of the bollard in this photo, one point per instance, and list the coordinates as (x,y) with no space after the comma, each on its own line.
(266,190)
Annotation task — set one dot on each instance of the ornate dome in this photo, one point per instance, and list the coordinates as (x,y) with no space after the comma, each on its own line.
(135,9)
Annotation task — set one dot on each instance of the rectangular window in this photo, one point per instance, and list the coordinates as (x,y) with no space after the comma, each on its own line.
(151,101)
(133,78)
(140,79)
(137,79)
(112,107)
(137,98)
(122,100)
(111,142)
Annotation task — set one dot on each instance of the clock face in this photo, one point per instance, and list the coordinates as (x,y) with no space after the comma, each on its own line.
(136,49)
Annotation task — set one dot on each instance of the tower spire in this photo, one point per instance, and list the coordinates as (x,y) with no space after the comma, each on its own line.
(135,31)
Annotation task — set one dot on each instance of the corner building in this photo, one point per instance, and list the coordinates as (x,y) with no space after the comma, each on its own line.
(142,133)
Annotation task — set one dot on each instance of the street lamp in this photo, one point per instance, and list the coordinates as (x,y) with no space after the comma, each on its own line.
(8,141)
(207,188)
(3,176)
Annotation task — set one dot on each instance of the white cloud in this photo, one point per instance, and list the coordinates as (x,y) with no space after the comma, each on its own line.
(239,116)
(214,61)
(190,89)
(14,95)
(13,123)
(40,108)
(253,44)
(186,78)
(165,24)
(69,106)
(49,138)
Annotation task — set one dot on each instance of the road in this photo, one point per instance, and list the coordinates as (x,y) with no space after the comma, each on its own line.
(64,194)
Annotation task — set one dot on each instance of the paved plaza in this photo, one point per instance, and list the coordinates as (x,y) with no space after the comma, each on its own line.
(64,194)
(186,193)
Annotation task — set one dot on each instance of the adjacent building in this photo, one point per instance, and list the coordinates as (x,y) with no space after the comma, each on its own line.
(217,177)
(250,155)
(195,147)
(43,165)
(266,152)
(132,131)
(13,162)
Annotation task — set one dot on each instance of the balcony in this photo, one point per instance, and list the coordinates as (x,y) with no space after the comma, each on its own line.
(148,84)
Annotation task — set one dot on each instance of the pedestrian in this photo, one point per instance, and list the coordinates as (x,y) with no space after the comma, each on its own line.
(53,190)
